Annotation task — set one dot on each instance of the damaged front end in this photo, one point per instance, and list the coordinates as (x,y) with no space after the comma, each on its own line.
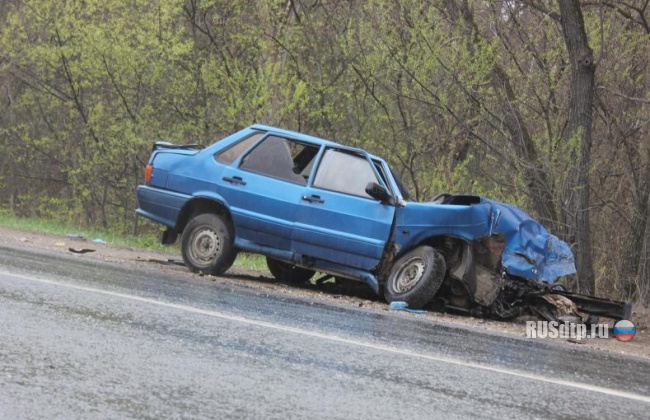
(514,270)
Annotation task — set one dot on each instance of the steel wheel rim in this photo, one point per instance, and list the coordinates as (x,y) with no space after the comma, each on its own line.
(409,275)
(205,246)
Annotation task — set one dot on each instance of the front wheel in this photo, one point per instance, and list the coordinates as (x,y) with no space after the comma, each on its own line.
(288,273)
(207,244)
(416,277)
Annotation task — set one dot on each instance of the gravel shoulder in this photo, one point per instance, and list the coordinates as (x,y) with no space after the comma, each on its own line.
(352,294)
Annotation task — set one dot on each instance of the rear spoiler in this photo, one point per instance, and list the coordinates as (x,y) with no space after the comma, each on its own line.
(167,145)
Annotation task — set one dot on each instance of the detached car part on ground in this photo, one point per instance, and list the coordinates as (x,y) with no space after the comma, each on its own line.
(310,205)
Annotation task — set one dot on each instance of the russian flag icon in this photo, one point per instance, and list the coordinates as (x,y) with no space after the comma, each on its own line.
(624,330)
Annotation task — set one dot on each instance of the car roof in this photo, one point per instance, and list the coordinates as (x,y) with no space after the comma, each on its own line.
(294,134)
(306,137)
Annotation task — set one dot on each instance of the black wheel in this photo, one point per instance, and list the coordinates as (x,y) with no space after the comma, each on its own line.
(288,273)
(416,277)
(207,244)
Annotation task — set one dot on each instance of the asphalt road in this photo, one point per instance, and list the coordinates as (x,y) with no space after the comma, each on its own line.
(84,339)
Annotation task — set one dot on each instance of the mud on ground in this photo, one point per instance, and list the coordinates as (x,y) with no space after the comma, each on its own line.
(351,293)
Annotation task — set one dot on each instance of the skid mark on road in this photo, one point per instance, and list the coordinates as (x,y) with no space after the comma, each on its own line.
(337,339)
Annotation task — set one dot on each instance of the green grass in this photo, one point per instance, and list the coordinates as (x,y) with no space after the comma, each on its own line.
(251,262)
(145,240)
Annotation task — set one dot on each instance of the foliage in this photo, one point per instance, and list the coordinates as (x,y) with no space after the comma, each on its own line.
(461,96)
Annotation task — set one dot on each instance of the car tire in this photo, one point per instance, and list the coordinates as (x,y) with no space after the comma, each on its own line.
(288,273)
(416,277)
(207,244)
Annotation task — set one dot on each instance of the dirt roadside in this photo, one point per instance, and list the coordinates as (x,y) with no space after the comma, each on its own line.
(353,295)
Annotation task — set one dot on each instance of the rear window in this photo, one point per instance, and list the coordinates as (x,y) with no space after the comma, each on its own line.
(231,154)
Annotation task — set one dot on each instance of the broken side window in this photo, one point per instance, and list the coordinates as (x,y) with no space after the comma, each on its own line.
(281,158)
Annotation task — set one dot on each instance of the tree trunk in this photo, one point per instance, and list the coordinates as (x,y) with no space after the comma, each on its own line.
(525,151)
(578,138)
(643,273)
(534,174)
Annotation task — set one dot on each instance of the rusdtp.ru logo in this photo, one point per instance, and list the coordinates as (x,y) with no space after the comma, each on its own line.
(554,329)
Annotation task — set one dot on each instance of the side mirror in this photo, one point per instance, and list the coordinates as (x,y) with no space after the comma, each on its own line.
(378,192)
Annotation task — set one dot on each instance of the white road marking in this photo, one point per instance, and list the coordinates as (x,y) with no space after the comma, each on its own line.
(334,338)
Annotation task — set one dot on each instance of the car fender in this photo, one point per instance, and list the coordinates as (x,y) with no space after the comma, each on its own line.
(203,201)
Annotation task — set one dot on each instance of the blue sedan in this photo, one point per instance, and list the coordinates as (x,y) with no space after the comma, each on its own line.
(312,205)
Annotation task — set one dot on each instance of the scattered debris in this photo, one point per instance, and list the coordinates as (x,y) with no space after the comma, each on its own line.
(170,261)
(81,251)
(75,236)
(355,294)
(23,239)
(398,305)
(565,309)
(59,243)
(99,241)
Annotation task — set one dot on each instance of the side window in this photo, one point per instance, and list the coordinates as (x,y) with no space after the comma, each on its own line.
(281,158)
(231,154)
(344,172)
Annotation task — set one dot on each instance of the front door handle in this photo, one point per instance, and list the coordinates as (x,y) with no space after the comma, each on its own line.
(234,180)
(313,198)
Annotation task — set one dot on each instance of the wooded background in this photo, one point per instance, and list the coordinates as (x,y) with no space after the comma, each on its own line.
(544,104)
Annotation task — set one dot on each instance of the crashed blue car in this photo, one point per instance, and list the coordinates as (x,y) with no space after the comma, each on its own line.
(311,205)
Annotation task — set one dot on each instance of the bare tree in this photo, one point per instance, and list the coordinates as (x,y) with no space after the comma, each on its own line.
(578,137)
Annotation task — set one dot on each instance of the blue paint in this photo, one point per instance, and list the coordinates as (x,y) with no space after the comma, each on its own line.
(291,219)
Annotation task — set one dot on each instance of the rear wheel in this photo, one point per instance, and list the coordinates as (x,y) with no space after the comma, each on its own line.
(416,277)
(207,244)
(288,273)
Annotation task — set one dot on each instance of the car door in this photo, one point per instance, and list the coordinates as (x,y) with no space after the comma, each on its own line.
(336,219)
(262,189)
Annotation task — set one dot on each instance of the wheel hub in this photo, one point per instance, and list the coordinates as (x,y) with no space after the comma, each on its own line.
(409,275)
(206,246)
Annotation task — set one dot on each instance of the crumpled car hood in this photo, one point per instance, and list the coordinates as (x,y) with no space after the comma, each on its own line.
(530,251)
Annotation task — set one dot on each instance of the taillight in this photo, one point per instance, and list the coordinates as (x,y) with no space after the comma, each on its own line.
(148,171)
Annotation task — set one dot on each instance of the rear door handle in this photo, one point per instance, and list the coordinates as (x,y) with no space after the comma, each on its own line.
(234,180)
(313,198)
